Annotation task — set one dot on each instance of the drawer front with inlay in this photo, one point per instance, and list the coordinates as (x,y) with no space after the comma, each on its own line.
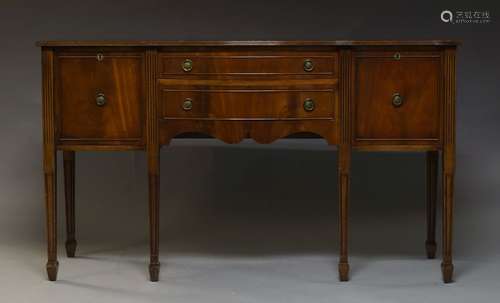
(99,96)
(248,102)
(258,63)
(397,96)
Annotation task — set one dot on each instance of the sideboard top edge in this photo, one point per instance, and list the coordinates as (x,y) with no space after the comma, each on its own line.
(145,43)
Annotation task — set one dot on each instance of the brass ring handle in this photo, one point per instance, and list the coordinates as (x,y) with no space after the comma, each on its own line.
(187,104)
(309,105)
(397,56)
(100,99)
(308,65)
(187,65)
(397,100)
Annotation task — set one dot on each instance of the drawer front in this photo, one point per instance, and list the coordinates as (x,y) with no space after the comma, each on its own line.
(397,96)
(260,63)
(99,96)
(250,102)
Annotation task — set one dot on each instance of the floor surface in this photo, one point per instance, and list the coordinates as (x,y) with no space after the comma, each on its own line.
(120,275)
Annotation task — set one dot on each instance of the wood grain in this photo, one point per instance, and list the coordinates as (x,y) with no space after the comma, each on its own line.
(81,77)
(198,43)
(153,155)
(256,63)
(448,172)
(235,104)
(344,161)
(49,160)
(248,89)
(432,182)
(69,195)
(416,78)
(263,132)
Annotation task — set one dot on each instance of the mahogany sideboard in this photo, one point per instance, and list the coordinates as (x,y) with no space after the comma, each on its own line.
(357,95)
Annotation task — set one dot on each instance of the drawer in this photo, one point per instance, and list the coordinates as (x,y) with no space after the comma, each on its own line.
(397,96)
(99,96)
(249,101)
(260,63)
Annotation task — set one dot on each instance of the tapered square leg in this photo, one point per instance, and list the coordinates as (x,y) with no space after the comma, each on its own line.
(51,225)
(69,195)
(344,159)
(448,188)
(49,161)
(448,159)
(154,264)
(447,270)
(154,271)
(153,154)
(432,172)
(52,268)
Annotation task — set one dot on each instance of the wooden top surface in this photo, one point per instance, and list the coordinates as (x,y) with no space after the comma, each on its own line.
(127,43)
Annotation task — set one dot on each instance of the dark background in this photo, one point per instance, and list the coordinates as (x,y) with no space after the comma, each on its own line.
(250,198)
